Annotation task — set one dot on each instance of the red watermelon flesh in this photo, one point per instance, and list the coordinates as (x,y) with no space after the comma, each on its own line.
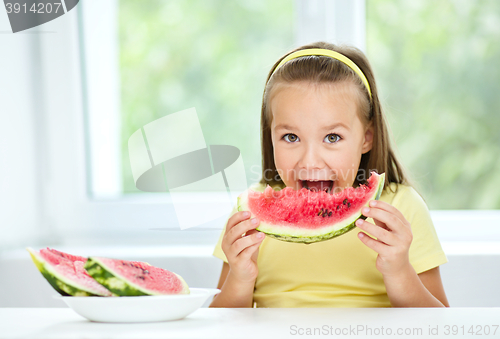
(307,216)
(70,257)
(125,277)
(66,274)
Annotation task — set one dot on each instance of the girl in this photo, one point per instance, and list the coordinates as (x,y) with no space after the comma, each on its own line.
(322,122)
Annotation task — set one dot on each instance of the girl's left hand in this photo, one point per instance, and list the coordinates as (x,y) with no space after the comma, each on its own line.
(393,233)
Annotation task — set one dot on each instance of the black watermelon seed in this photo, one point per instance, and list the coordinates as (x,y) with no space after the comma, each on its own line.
(338,207)
(348,204)
(330,213)
(345,201)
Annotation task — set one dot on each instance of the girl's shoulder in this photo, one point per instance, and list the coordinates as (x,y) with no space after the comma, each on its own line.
(394,188)
(398,194)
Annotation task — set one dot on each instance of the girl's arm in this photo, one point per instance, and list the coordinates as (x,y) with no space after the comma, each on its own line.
(432,282)
(407,289)
(394,236)
(233,293)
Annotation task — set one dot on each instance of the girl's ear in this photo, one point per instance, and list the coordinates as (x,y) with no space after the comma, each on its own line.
(368,139)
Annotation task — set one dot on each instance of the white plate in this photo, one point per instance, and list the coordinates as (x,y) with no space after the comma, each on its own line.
(139,309)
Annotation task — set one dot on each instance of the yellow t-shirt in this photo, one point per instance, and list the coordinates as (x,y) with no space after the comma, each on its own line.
(339,272)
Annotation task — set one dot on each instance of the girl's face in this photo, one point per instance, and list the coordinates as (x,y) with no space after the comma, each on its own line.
(317,135)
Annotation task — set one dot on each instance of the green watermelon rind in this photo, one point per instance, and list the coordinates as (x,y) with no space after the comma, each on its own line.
(118,284)
(59,282)
(317,235)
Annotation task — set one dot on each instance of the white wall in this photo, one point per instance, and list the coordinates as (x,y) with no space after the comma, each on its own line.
(21,165)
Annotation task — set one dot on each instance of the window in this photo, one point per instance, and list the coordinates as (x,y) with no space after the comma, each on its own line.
(437,66)
(144,60)
(153,58)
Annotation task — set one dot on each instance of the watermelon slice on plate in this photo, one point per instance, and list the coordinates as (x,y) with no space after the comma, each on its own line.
(134,278)
(304,216)
(65,273)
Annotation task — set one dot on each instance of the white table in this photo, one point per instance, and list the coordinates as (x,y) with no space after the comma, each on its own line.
(259,323)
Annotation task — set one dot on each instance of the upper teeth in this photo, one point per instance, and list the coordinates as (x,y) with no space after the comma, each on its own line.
(304,182)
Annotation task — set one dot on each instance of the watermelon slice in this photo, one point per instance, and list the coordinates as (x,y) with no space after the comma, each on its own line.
(134,278)
(65,273)
(305,216)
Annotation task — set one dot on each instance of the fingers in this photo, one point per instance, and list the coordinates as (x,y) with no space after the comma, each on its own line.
(390,229)
(236,218)
(247,242)
(252,231)
(247,253)
(238,230)
(393,222)
(382,205)
(378,232)
(240,234)
(375,245)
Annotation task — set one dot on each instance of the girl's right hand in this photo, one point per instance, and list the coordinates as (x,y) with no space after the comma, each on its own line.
(242,251)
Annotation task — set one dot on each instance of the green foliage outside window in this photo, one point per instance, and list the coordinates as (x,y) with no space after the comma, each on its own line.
(213,55)
(437,63)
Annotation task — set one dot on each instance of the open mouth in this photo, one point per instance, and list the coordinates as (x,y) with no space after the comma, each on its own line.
(318,185)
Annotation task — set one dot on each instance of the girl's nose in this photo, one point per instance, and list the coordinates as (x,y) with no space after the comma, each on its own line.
(311,159)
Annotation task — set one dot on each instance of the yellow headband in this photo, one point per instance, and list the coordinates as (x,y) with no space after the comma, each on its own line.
(330,53)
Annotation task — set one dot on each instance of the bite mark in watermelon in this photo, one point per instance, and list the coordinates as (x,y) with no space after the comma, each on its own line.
(134,278)
(305,216)
(65,273)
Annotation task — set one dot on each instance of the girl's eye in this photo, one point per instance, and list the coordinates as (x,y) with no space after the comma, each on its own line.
(332,138)
(291,137)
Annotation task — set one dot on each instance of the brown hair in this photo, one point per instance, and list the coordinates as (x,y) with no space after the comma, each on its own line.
(323,70)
